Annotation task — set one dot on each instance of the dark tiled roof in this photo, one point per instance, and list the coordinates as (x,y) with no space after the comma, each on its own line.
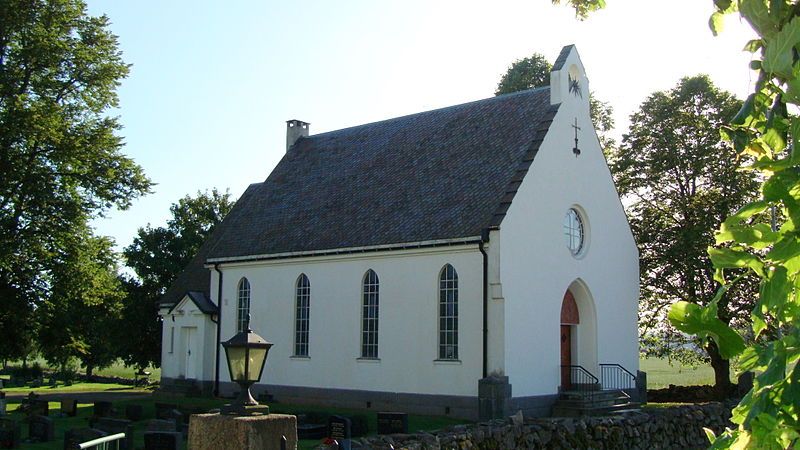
(195,277)
(562,57)
(202,301)
(442,174)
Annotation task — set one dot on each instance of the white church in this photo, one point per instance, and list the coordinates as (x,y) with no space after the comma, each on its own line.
(471,261)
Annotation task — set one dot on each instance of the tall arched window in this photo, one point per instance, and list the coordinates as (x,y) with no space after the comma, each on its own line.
(243,305)
(369,315)
(302,302)
(448,313)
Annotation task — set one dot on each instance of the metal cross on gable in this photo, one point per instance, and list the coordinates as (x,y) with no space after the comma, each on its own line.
(576,150)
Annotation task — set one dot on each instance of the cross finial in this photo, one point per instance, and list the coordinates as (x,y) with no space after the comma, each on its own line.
(576,150)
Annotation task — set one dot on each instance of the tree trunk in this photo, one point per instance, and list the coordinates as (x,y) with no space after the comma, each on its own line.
(89,370)
(722,371)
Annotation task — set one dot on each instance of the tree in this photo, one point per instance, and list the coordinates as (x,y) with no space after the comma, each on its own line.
(534,71)
(60,154)
(764,131)
(157,256)
(681,181)
(83,309)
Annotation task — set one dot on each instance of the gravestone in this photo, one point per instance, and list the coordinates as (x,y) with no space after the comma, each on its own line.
(134,412)
(10,433)
(41,429)
(392,423)
(2,404)
(161,425)
(114,426)
(69,407)
(164,408)
(102,409)
(177,418)
(162,440)
(38,408)
(339,430)
(76,436)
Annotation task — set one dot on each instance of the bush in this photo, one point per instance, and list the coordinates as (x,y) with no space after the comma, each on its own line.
(26,373)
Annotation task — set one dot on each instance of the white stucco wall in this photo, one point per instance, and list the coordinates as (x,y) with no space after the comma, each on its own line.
(408,327)
(536,267)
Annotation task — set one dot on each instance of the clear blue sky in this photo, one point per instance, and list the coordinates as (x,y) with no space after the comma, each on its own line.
(213,83)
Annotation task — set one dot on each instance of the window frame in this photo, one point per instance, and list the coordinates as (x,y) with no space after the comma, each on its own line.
(574,231)
(243,293)
(447,314)
(302,315)
(370,306)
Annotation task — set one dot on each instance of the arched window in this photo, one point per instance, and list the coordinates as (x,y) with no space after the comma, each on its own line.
(369,315)
(302,302)
(243,305)
(448,313)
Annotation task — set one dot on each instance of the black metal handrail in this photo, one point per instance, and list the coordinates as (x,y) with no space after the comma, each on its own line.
(581,380)
(614,376)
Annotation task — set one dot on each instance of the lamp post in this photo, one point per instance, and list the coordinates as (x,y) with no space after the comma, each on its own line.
(246,354)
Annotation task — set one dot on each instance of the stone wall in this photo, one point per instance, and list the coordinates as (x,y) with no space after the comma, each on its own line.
(654,428)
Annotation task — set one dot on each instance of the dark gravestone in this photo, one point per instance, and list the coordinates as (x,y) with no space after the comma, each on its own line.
(2,404)
(161,425)
(77,436)
(392,423)
(38,408)
(178,418)
(164,408)
(339,429)
(69,407)
(102,409)
(114,426)
(10,433)
(41,429)
(134,412)
(162,440)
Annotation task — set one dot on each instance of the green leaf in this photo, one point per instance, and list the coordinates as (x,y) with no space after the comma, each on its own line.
(757,236)
(727,258)
(784,250)
(747,211)
(753,45)
(757,14)
(694,319)
(778,55)
(745,112)
(716,22)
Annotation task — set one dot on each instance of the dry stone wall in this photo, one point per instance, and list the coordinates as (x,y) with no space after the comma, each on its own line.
(658,428)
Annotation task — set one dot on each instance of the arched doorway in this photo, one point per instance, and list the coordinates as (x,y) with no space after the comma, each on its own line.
(570,319)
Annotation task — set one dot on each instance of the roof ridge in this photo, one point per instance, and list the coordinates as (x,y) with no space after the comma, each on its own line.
(445,108)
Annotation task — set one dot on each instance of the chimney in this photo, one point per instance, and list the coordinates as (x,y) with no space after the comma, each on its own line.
(295,129)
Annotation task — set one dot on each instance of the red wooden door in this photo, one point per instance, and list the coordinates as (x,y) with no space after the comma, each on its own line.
(566,356)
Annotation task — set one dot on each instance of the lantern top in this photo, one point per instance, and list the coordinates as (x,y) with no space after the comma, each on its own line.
(247,339)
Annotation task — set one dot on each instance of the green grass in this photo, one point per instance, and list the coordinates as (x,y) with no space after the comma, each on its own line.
(661,374)
(118,369)
(76,387)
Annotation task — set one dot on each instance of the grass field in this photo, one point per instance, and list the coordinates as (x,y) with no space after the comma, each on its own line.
(661,374)
(117,369)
